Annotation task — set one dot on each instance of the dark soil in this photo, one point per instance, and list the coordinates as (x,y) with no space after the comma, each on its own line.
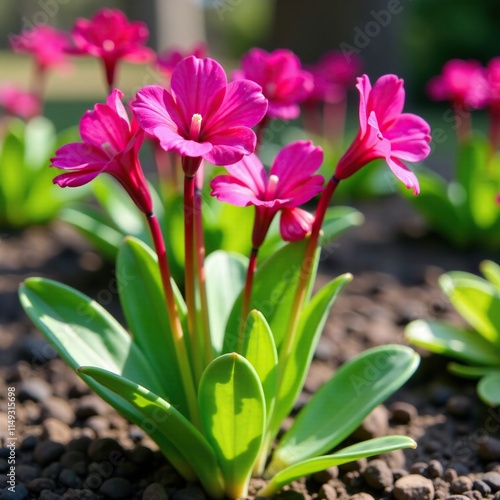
(72,445)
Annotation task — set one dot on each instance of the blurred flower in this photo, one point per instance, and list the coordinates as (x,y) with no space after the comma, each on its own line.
(284,83)
(493,79)
(463,83)
(110,36)
(290,183)
(167,60)
(203,116)
(333,75)
(46,44)
(386,132)
(18,102)
(110,145)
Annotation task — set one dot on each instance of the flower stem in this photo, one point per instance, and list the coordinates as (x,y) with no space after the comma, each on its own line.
(175,323)
(189,275)
(200,268)
(247,297)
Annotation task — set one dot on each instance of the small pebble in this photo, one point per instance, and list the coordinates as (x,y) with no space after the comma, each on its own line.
(58,408)
(46,452)
(440,394)
(20,494)
(189,493)
(481,486)
(378,475)
(116,487)
(418,468)
(376,424)
(71,457)
(88,406)
(488,449)
(52,471)
(56,430)
(457,497)
(326,475)
(434,469)
(402,412)
(141,455)
(29,442)
(461,484)
(49,495)
(69,478)
(361,496)
(492,479)
(41,483)
(104,449)
(327,492)
(155,491)
(25,473)
(355,465)
(413,487)
(459,406)
(34,389)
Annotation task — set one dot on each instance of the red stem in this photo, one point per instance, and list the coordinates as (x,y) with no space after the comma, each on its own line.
(247,297)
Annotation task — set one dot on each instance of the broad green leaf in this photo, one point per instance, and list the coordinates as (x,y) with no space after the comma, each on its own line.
(365,449)
(143,302)
(225,277)
(470,371)
(477,300)
(172,424)
(233,414)
(491,271)
(340,406)
(83,333)
(488,389)
(94,226)
(338,220)
(259,349)
(273,292)
(442,338)
(40,138)
(311,323)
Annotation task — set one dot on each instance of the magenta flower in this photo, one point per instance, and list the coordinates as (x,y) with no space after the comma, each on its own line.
(493,79)
(110,145)
(284,83)
(167,60)
(47,45)
(202,116)
(18,102)
(111,37)
(386,132)
(462,83)
(291,183)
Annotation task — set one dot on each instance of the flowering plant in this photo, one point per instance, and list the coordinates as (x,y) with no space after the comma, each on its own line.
(465,210)
(477,300)
(211,374)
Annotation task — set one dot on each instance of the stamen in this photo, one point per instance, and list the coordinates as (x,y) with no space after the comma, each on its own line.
(195,128)
(272,185)
(108,45)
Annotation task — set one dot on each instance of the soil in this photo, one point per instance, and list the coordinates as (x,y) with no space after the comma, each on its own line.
(72,445)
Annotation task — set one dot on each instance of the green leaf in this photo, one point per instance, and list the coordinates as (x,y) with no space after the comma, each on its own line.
(365,449)
(172,424)
(233,416)
(311,323)
(225,277)
(477,300)
(273,292)
(470,371)
(143,302)
(340,406)
(83,333)
(442,338)
(259,349)
(488,389)
(338,220)
(40,138)
(491,271)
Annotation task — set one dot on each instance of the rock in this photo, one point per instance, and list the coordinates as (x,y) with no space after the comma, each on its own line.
(26,473)
(326,475)
(155,491)
(488,449)
(402,412)
(189,493)
(80,444)
(34,389)
(459,406)
(361,496)
(29,442)
(378,475)
(413,487)
(492,479)
(49,495)
(90,405)
(461,484)
(20,494)
(73,494)
(47,452)
(355,465)
(41,483)
(376,424)
(58,408)
(457,497)
(141,455)
(69,478)
(97,423)
(418,468)
(395,459)
(52,471)
(117,487)
(71,457)
(327,492)
(54,429)
(435,469)
(482,487)
(104,449)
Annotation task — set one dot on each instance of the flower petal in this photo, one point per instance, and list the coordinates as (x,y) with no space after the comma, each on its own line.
(231,145)
(410,137)
(79,156)
(251,173)
(75,179)
(231,190)
(283,111)
(295,223)
(404,174)
(364,88)
(172,141)
(387,99)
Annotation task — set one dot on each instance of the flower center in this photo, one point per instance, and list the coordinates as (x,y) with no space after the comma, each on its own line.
(195,128)
(272,186)
(108,45)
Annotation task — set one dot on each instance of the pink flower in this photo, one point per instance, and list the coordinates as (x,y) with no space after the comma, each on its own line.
(167,60)
(386,132)
(284,83)
(462,83)
(202,116)
(47,45)
(290,183)
(111,145)
(110,36)
(333,74)
(493,79)
(18,102)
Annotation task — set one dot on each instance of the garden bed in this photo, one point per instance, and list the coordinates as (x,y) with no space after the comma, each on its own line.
(72,445)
